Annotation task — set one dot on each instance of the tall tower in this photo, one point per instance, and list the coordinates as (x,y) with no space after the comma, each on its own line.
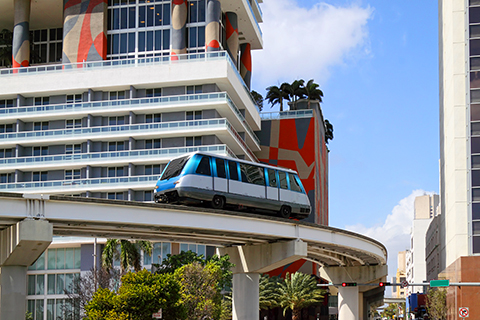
(459,37)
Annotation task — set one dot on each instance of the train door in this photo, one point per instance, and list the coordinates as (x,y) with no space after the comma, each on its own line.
(234,185)
(272,188)
(220,182)
(285,194)
(204,174)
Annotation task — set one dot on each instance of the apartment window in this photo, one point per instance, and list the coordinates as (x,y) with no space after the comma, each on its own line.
(197,11)
(149,118)
(153,143)
(4,128)
(116,172)
(147,196)
(72,174)
(73,148)
(193,141)
(40,176)
(199,249)
(7,153)
(118,95)
(74,98)
(6,103)
(150,93)
(116,121)
(63,258)
(152,169)
(196,39)
(116,146)
(138,29)
(40,126)
(73,123)
(7,178)
(41,101)
(194,89)
(47,45)
(196,26)
(193,115)
(159,253)
(39,151)
(115,195)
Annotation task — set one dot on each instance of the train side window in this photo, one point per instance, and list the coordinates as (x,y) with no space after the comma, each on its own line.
(204,167)
(252,174)
(232,170)
(220,168)
(294,186)
(282,176)
(272,178)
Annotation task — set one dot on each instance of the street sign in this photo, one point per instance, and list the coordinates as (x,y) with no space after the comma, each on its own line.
(157,315)
(404,284)
(439,283)
(463,312)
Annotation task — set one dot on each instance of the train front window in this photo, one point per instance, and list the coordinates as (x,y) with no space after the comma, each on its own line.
(174,168)
(294,186)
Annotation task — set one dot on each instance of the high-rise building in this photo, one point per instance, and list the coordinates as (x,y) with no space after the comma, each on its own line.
(459,27)
(399,292)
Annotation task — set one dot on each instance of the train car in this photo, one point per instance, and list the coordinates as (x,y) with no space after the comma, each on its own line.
(223,181)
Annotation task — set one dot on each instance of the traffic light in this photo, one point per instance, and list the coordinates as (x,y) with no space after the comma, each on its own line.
(349,284)
(384,284)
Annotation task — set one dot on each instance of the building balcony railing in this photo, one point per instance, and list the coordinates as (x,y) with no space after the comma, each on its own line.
(130,105)
(308,113)
(163,154)
(95,184)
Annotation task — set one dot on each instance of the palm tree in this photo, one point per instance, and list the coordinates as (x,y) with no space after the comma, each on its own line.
(267,288)
(312,92)
(129,254)
(258,99)
(278,94)
(328,131)
(296,91)
(298,291)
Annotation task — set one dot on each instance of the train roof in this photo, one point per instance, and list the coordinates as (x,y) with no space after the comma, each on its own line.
(235,159)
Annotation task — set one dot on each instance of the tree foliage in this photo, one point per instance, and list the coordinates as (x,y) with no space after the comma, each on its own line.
(328,131)
(140,295)
(200,291)
(128,252)
(276,95)
(298,291)
(268,291)
(437,303)
(258,99)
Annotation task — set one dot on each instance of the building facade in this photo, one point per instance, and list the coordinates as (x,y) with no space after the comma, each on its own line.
(459,28)
(399,292)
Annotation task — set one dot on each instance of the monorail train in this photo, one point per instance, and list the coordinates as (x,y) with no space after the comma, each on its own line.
(228,181)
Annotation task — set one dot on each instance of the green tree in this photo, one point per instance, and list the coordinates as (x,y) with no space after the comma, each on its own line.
(391,310)
(328,131)
(126,251)
(296,92)
(437,303)
(258,99)
(140,295)
(298,291)
(200,290)
(312,92)
(268,291)
(276,95)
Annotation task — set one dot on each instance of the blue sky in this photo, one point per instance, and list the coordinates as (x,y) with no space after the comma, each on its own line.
(377,64)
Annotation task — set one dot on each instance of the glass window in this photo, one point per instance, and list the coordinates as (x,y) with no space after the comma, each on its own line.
(475,47)
(475,31)
(272,179)
(40,284)
(51,284)
(39,309)
(476,194)
(69,258)
(474,15)
(232,170)
(40,263)
(31,284)
(60,285)
(174,168)
(294,186)
(78,255)
(476,211)
(204,167)
(220,164)
(252,174)
(51,254)
(60,263)
(50,309)
(475,112)
(475,145)
(282,176)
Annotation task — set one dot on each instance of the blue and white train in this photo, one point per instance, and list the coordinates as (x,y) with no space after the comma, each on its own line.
(222,181)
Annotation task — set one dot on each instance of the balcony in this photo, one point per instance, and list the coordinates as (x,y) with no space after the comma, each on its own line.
(116,158)
(220,100)
(294,114)
(188,69)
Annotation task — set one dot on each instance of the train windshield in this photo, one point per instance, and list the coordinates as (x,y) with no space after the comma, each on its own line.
(174,168)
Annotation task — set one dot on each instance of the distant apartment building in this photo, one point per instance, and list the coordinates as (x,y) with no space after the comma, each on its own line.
(424,211)
(401,275)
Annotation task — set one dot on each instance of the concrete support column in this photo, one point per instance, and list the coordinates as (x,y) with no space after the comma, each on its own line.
(13,284)
(21,34)
(246,63)
(130,195)
(179,27)
(348,303)
(131,118)
(245,296)
(232,35)
(133,92)
(87,171)
(131,144)
(89,143)
(212,29)
(131,169)
(89,120)
(90,95)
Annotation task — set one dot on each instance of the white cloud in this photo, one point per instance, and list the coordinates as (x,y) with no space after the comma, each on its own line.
(394,233)
(304,43)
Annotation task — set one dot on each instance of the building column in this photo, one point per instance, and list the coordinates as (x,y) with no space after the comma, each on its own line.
(246,63)
(348,303)
(212,29)
(21,34)
(89,142)
(232,35)
(20,245)
(245,296)
(179,27)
